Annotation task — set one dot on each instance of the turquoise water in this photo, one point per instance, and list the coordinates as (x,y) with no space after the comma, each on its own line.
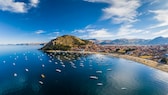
(25,70)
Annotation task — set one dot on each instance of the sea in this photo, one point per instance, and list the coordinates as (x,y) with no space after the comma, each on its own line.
(26,70)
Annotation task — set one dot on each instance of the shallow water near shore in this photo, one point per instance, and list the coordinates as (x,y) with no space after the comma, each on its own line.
(25,70)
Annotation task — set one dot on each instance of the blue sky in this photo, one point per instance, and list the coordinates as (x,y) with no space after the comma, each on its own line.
(24,21)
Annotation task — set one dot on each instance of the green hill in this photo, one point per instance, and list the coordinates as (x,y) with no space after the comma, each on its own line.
(68,42)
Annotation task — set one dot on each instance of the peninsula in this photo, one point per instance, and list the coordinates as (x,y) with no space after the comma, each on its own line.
(71,43)
(141,54)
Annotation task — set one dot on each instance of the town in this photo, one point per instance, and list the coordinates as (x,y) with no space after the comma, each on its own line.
(158,53)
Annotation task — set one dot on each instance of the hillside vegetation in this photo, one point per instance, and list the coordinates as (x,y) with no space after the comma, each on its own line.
(68,42)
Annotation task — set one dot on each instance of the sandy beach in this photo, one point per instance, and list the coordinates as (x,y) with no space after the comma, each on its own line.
(147,62)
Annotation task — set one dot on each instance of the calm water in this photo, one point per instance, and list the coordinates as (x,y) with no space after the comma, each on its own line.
(24,70)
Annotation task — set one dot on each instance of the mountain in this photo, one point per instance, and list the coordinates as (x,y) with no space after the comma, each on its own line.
(121,42)
(125,42)
(96,41)
(155,41)
(159,41)
(68,42)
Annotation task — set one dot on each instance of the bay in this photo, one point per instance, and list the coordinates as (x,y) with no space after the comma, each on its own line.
(25,70)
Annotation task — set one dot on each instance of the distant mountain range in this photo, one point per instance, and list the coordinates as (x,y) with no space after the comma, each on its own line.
(155,41)
(68,40)
(39,43)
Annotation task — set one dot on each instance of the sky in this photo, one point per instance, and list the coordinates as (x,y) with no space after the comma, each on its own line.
(27,21)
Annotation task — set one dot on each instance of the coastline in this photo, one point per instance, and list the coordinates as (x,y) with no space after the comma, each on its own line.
(146,62)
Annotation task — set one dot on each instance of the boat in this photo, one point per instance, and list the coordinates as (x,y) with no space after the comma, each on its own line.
(58,70)
(41,82)
(49,61)
(14,74)
(99,72)
(123,88)
(93,77)
(56,63)
(63,65)
(73,66)
(42,75)
(43,65)
(4,61)
(14,64)
(61,62)
(99,84)
(26,70)
(108,69)
(81,64)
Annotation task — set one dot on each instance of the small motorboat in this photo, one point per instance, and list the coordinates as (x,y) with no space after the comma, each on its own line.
(93,77)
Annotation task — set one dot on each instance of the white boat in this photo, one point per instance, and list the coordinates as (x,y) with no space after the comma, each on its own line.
(81,64)
(49,61)
(93,77)
(99,72)
(123,88)
(61,62)
(108,69)
(58,70)
(63,65)
(99,84)
(41,82)
(15,75)
(26,70)
(42,75)
(43,65)
(14,64)
(73,66)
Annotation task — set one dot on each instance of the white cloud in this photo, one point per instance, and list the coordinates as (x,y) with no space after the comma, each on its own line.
(100,34)
(53,35)
(83,30)
(161,16)
(79,31)
(163,33)
(88,28)
(128,31)
(89,33)
(125,31)
(17,7)
(40,32)
(124,13)
(154,2)
(56,32)
(34,3)
(120,11)
(10,5)
(102,1)
(160,4)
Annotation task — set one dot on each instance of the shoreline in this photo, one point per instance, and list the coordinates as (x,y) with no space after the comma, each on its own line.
(150,63)
(147,62)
